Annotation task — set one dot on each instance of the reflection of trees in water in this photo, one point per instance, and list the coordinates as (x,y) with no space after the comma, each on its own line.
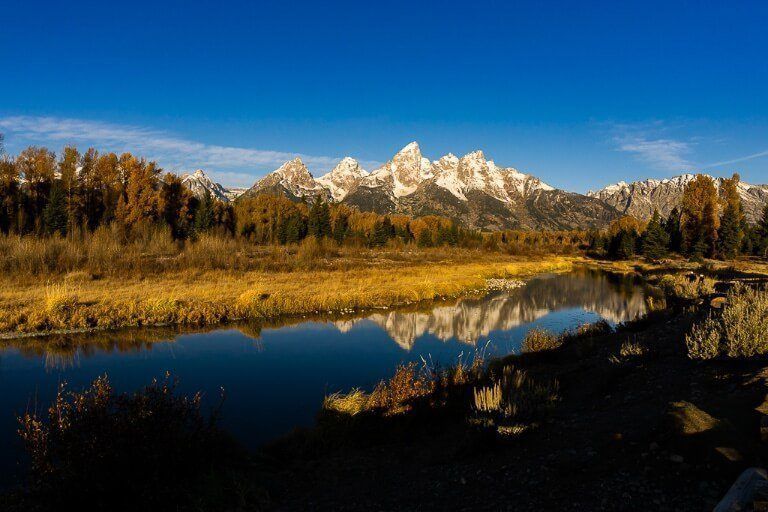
(615,299)
(467,320)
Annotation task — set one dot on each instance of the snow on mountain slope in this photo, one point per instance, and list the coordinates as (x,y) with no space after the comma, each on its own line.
(292,178)
(344,178)
(199,184)
(471,189)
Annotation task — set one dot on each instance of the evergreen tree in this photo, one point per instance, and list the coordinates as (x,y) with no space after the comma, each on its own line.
(340,228)
(732,222)
(319,221)
(623,244)
(55,212)
(730,234)
(9,195)
(424,239)
(382,232)
(672,227)
(655,240)
(204,213)
(295,229)
(761,235)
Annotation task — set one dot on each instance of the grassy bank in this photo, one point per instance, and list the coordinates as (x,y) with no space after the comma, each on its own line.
(200,296)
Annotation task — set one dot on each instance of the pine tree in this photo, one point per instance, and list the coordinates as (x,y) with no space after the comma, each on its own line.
(55,212)
(761,235)
(319,221)
(730,234)
(9,195)
(623,244)
(70,158)
(655,240)
(340,228)
(672,227)
(424,239)
(204,218)
(731,229)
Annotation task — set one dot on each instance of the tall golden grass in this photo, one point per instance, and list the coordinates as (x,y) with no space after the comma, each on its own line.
(205,296)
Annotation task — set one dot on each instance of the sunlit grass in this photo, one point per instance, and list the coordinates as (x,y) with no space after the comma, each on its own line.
(203,297)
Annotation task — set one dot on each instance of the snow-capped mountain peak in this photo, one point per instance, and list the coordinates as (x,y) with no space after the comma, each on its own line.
(199,183)
(343,178)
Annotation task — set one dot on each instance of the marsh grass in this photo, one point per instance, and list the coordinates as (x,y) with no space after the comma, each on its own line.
(82,300)
(59,298)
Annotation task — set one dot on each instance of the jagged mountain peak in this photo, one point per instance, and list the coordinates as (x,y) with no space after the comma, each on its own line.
(200,184)
(343,178)
(641,198)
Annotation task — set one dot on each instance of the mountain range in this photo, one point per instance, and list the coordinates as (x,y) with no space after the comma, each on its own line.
(471,189)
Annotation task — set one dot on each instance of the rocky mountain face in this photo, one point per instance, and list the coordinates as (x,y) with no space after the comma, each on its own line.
(471,189)
(640,198)
(292,179)
(343,179)
(200,184)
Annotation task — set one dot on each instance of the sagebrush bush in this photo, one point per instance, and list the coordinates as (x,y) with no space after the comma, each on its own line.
(687,286)
(741,330)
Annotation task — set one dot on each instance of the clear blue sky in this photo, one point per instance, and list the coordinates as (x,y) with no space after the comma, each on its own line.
(579,93)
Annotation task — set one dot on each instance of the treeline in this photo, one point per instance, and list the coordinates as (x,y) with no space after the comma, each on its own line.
(266,219)
(41,194)
(707,224)
(45,195)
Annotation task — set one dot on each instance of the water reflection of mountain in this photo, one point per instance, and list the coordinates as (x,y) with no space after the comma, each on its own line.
(614,299)
(466,320)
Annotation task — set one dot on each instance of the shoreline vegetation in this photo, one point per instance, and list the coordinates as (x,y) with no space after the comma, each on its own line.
(668,421)
(342,282)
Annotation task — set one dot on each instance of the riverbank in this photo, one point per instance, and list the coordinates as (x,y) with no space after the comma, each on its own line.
(602,420)
(597,419)
(79,301)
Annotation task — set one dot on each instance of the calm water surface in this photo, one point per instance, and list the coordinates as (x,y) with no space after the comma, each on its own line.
(276,377)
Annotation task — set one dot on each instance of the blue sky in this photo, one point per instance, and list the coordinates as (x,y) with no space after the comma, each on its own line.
(579,93)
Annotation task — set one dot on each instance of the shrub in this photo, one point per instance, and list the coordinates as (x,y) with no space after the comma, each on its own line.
(687,286)
(703,342)
(394,395)
(745,322)
(97,449)
(741,330)
(538,340)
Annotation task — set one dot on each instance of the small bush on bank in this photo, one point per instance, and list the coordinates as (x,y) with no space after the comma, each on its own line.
(538,340)
(741,330)
(687,286)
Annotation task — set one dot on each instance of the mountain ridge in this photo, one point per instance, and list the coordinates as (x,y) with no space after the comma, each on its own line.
(473,190)
(640,198)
